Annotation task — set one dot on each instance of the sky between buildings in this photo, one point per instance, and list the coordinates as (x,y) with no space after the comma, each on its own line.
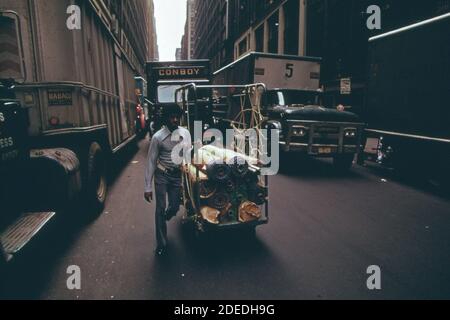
(170,18)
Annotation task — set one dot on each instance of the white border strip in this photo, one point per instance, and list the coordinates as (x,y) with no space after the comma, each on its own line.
(444,16)
(408,135)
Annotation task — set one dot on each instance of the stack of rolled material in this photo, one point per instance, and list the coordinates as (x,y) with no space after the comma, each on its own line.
(205,186)
(228,187)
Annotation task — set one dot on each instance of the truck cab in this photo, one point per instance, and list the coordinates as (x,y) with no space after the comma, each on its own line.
(293,104)
(307,126)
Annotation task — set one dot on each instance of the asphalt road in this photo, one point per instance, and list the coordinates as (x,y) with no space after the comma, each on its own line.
(325,230)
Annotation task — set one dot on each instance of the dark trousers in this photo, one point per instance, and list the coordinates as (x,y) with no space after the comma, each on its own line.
(170,186)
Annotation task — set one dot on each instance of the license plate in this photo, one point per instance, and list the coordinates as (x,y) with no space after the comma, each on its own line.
(6,142)
(325,150)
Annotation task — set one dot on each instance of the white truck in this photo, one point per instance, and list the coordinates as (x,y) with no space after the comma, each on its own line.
(77,88)
(293,105)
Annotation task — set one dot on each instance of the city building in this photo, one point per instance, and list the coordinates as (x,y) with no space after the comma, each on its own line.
(178,54)
(188,41)
(153,52)
(273,26)
(334,30)
(184,46)
(211,32)
(233,28)
(138,39)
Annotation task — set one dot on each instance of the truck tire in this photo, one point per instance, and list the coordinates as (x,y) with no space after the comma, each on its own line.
(343,162)
(96,183)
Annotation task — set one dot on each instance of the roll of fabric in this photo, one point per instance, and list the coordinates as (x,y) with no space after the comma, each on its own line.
(257,194)
(219,201)
(227,155)
(239,166)
(210,214)
(249,211)
(229,186)
(251,178)
(206,187)
(218,171)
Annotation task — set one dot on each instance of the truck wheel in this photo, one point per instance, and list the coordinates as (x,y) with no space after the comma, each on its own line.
(96,182)
(343,162)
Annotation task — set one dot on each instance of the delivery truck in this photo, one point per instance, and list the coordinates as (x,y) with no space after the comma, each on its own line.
(407,109)
(293,104)
(68,104)
(164,78)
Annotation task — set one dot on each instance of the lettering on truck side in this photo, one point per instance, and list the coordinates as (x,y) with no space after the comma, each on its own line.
(6,142)
(10,155)
(2,117)
(179,72)
(59,95)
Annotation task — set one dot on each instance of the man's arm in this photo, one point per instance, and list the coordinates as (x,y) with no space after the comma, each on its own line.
(153,154)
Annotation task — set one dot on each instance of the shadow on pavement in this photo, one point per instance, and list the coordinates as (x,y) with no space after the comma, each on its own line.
(121,159)
(31,271)
(412,178)
(319,168)
(221,246)
(220,266)
(297,165)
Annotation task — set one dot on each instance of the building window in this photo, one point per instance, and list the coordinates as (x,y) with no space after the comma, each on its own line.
(292,24)
(274,24)
(259,39)
(243,46)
